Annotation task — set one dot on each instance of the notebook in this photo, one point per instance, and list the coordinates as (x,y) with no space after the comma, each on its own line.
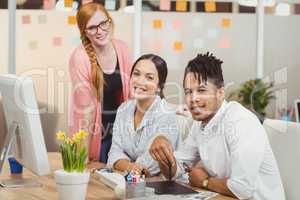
(170,187)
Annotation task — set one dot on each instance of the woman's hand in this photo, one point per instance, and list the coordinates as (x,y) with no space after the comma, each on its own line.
(138,168)
(94,165)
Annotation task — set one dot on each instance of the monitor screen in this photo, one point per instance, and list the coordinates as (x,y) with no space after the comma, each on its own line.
(24,130)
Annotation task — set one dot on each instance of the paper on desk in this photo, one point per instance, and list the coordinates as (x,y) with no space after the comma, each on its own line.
(202,195)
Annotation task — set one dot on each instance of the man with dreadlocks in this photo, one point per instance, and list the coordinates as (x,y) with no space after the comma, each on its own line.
(229,141)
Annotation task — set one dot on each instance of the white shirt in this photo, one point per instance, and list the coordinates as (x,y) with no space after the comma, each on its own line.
(133,145)
(234,145)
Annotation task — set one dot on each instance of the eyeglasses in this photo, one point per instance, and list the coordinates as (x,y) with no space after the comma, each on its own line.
(104,26)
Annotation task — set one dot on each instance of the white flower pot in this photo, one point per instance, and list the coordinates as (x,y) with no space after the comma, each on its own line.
(71,185)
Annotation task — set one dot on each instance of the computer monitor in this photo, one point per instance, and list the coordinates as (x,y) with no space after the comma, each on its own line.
(297,110)
(24,139)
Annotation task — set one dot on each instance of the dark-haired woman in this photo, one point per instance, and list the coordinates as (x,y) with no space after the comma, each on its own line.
(141,119)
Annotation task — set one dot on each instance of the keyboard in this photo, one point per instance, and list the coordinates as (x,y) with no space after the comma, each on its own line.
(110,179)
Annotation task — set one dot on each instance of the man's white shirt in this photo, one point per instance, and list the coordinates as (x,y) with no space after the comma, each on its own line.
(234,145)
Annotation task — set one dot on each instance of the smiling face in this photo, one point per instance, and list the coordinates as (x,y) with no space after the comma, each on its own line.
(202,98)
(144,80)
(99,29)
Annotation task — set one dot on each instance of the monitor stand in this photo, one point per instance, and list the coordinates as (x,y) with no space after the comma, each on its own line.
(15,180)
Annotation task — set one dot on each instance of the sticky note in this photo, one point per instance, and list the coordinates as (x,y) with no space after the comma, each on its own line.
(68,3)
(157,24)
(224,43)
(86,1)
(165,5)
(157,45)
(212,33)
(49,4)
(226,23)
(181,5)
(177,24)
(33,45)
(26,19)
(72,20)
(198,43)
(110,4)
(42,19)
(57,41)
(210,6)
(178,46)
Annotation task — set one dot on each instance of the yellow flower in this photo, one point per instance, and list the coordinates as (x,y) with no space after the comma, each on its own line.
(69,141)
(82,134)
(76,137)
(60,135)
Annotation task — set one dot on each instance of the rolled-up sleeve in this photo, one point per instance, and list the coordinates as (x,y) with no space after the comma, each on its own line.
(163,125)
(116,151)
(188,152)
(247,144)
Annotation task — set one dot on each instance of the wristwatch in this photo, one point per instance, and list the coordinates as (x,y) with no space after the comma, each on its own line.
(205,183)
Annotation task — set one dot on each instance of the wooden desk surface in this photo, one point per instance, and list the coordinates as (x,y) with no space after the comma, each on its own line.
(96,190)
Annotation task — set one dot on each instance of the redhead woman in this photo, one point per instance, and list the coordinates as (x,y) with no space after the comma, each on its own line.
(99,69)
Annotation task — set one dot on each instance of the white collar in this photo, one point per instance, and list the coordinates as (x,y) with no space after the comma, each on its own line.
(217,117)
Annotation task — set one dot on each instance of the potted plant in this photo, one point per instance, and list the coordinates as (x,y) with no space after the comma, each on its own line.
(254,95)
(72,180)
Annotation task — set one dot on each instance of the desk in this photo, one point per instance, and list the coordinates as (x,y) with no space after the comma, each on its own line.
(96,190)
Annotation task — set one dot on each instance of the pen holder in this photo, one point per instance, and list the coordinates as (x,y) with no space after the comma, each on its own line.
(134,190)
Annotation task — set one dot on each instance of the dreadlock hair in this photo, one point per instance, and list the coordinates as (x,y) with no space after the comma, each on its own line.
(204,67)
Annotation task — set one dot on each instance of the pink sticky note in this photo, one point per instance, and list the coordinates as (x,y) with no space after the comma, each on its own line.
(57,41)
(157,45)
(177,24)
(26,19)
(224,43)
(165,5)
(86,1)
(48,4)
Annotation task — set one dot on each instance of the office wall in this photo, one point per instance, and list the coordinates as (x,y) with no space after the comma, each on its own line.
(45,44)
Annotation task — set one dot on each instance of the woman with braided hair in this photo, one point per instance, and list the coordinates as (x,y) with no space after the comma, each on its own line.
(99,69)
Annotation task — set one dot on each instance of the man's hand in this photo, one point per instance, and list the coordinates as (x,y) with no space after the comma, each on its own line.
(161,150)
(197,176)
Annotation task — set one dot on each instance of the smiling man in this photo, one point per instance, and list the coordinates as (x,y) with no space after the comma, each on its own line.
(232,146)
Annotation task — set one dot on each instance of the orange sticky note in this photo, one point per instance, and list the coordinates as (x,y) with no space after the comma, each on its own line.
(226,23)
(72,20)
(210,6)
(68,3)
(181,5)
(165,5)
(157,24)
(26,19)
(178,46)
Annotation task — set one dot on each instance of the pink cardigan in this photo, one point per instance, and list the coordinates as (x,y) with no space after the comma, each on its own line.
(83,101)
